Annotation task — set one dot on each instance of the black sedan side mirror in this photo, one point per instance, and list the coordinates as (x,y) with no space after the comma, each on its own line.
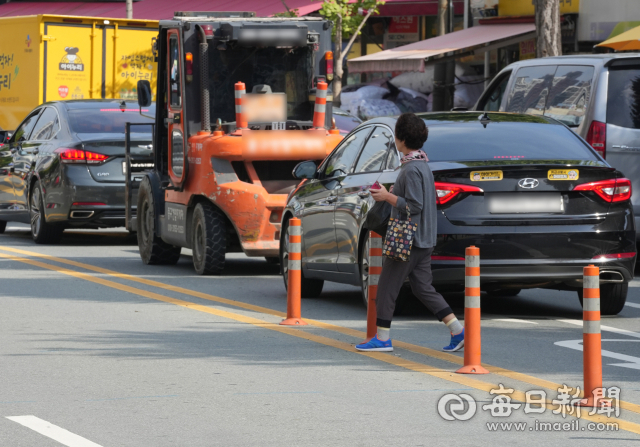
(144,93)
(306,169)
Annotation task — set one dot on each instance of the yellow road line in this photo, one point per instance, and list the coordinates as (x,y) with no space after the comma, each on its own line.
(327,326)
(296,332)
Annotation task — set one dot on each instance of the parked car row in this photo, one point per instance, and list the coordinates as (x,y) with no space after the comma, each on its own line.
(539,200)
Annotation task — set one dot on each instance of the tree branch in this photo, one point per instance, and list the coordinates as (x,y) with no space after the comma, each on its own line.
(353,38)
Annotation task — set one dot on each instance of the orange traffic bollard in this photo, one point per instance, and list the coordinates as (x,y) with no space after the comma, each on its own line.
(320,107)
(294,275)
(240,91)
(375,268)
(472,344)
(591,337)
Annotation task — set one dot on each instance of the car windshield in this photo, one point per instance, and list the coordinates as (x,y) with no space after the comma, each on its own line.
(532,139)
(284,70)
(109,119)
(344,121)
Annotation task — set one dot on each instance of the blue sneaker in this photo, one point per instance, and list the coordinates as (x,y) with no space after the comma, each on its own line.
(375,345)
(457,343)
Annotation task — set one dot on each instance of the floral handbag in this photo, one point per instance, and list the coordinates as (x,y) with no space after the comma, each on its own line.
(399,238)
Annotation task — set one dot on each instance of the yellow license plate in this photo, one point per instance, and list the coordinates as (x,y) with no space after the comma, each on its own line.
(485,176)
(563,174)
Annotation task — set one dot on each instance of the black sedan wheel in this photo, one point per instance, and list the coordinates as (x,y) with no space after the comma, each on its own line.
(612,298)
(3,225)
(42,231)
(310,288)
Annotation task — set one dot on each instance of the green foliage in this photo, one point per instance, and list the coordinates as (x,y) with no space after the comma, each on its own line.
(349,12)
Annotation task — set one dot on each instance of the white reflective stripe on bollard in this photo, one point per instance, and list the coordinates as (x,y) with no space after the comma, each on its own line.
(294,264)
(294,230)
(375,261)
(376,242)
(374,280)
(472,302)
(591,304)
(294,247)
(239,93)
(238,109)
(472,281)
(472,261)
(591,282)
(320,108)
(591,327)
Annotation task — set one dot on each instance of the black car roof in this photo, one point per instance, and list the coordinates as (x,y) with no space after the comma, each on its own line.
(95,103)
(438,118)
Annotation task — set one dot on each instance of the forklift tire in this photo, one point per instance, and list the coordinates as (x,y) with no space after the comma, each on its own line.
(209,242)
(153,250)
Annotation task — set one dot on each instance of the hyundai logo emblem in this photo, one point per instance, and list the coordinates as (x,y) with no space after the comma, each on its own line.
(528,183)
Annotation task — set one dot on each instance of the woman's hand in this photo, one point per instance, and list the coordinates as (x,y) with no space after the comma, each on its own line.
(380,195)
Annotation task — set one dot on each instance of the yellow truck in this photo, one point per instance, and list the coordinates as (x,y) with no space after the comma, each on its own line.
(52,58)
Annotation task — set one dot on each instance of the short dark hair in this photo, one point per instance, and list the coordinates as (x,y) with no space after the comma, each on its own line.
(411,130)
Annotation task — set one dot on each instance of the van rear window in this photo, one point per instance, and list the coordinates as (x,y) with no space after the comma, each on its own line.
(108,120)
(623,99)
(505,141)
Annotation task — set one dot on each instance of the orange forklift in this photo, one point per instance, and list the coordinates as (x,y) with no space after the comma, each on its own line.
(234,115)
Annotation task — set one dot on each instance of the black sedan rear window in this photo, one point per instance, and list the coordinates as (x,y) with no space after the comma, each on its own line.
(108,119)
(504,140)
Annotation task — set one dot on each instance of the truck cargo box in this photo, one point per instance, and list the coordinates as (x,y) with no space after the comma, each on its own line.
(48,57)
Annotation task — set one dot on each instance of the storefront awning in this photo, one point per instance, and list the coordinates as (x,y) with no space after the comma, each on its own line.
(415,56)
(627,41)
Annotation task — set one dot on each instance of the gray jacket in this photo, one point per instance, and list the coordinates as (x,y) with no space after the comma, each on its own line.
(415,188)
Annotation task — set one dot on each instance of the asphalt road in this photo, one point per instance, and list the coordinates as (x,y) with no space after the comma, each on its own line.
(99,349)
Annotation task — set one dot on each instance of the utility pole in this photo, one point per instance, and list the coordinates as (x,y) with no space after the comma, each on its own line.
(549,37)
(129,9)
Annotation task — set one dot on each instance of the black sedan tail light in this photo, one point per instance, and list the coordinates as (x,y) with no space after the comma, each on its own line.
(447,191)
(613,190)
(68,155)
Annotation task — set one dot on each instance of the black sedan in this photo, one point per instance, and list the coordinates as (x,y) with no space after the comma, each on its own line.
(536,199)
(64,166)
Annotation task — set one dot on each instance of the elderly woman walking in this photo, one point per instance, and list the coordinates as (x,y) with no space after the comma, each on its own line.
(414,195)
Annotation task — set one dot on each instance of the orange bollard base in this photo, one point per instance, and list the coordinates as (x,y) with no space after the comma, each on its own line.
(472,369)
(293,322)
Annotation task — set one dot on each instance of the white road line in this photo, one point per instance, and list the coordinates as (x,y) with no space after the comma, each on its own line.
(632,362)
(513,320)
(632,305)
(54,432)
(606,328)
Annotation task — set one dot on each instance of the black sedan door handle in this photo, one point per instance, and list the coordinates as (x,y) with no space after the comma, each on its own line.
(332,199)
(363,194)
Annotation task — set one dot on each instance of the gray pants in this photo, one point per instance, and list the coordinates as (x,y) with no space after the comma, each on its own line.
(418,269)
